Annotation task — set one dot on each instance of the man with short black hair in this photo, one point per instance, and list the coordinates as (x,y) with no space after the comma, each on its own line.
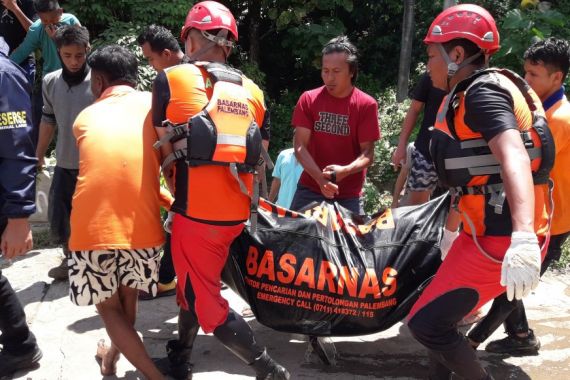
(162,51)
(116,229)
(66,92)
(160,47)
(336,126)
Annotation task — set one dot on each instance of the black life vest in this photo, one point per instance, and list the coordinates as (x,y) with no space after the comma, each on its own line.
(467,165)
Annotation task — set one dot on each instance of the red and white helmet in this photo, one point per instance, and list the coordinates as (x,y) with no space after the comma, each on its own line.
(468,21)
(211,15)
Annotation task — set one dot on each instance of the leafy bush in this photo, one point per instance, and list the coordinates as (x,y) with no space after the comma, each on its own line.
(125,34)
(564,261)
(98,15)
(381,175)
(522,27)
(281,111)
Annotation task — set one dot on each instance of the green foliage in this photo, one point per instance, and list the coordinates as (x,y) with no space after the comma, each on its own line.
(281,111)
(522,27)
(97,15)
(375,201)
(297,12)
(564,261)
(125,34)
(369,83)
(252,71)
(391,116)
(43,238)
(381,175)
(120,22)
(307,25)
(307,40)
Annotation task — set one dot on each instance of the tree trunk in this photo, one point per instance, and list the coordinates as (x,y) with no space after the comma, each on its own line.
(448,3)
(406,51)
(254,10)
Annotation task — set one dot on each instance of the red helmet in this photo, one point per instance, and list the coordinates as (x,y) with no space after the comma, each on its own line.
(468,21)
(208,15)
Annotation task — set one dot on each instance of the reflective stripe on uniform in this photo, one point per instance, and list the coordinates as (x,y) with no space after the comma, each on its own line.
(227,139)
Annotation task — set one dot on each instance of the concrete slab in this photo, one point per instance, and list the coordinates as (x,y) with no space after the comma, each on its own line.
(68,335)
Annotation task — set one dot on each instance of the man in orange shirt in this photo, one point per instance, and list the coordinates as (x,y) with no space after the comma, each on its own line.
(212,198)
(161,49)
(546,66)
(116,230)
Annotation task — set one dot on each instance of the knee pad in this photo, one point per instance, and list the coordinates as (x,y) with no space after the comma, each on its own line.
(236,335)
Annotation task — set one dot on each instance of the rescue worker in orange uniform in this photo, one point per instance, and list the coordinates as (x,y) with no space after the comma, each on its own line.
(502,198)
(212,197)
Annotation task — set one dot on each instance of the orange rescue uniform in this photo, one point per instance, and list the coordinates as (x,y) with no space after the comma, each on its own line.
(207,194)
(476,207)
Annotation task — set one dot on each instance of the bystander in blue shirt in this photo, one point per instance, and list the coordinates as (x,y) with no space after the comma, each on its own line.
(37,38)
(287,171)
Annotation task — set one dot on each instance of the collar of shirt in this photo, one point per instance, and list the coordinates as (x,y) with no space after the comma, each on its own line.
(553,99)
(118,90)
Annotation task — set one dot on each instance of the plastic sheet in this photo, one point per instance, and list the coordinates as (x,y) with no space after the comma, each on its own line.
(325,272)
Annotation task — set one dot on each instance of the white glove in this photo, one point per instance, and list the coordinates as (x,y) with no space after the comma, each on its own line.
(520,271)
(168,222)
(447,241)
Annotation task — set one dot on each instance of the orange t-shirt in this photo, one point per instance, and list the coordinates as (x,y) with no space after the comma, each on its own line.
(558,117)
(116,204)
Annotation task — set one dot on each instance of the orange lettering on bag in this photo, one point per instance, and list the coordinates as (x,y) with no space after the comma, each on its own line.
(306,273)
(251,260)
(267,266)
(348,277)
(287,262)
(385,221)
(389,279)
(327,273)
(369,284)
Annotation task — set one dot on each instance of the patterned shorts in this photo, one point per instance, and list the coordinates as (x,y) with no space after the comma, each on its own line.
(422,175)
(94,276)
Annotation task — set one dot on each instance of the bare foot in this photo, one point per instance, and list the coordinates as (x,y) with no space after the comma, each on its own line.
(107,358)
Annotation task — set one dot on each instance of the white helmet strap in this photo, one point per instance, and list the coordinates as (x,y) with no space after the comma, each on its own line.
(220,39)
(214,40)
(452,67)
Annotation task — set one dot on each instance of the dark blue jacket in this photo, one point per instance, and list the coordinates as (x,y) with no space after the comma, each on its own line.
(17,152)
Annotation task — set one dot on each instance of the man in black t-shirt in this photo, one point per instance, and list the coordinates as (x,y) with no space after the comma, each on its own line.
(422,178)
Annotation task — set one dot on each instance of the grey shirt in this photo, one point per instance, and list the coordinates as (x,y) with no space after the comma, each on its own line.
(62,104)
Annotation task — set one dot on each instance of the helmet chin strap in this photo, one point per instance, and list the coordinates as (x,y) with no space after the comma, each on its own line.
(452,67)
